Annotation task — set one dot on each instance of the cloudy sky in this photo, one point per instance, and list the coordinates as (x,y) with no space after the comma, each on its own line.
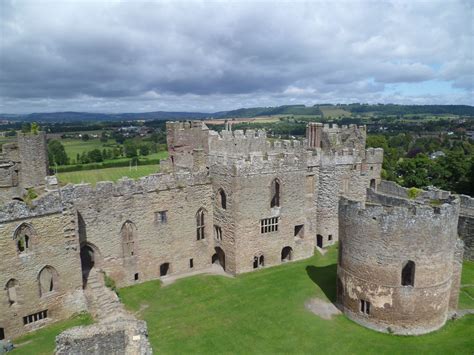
(134,56)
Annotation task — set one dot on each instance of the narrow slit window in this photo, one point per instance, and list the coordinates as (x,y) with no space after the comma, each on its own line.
(408,273)
(275,193)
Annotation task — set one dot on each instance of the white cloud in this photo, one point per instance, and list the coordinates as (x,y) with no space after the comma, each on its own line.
(186,55)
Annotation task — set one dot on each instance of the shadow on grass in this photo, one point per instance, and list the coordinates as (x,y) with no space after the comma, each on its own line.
(325,277)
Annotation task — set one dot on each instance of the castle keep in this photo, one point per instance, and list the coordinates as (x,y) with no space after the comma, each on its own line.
(236,201)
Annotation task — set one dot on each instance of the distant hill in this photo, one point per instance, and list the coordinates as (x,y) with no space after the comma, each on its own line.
(356,108)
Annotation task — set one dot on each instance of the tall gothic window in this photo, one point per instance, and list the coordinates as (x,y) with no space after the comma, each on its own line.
(275,193)
(200,224)
(222,198)
(11,287)
(48,280)
(22,237)
(128,238)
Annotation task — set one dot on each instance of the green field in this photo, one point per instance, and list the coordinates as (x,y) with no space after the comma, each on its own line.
(109,174)
(334,112)
(466,296)
(41,342)
(263,313)
(77,146)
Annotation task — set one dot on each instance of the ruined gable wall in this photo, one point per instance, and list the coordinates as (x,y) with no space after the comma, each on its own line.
(376,241)
(55,244)
(105,208)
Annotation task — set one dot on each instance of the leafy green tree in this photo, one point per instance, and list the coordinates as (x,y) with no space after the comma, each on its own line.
(26,127)
(85,137)
(414,172)
(130,149)
(95,156)
(103,137)
(144,149)
(57,153)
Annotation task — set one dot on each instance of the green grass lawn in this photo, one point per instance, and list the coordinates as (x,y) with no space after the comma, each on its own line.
(466,295)
(43,341)
(77,146)
(109,174)
(263,312)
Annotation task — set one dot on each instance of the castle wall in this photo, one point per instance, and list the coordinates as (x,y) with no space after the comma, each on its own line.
(53,244)
(466,225)
(376,242)
(33,154)
(248,182)
(105,209)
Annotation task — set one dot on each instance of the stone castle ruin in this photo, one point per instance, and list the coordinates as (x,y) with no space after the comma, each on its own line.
(237,202)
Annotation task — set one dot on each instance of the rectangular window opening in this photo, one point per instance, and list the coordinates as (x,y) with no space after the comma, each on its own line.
(217,232)
(161,217)
(35,317)
(365,307)
(191,263)
(269,225)
(135,276)
(299,231)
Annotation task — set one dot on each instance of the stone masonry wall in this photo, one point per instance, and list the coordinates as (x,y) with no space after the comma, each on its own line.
(376,241)
(105,209)
(466,225)
(52,244)
(34,158)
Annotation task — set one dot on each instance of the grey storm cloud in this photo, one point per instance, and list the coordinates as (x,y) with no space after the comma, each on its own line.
(116,55)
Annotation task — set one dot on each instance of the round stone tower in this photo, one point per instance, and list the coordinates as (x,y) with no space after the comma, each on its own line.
(399,263)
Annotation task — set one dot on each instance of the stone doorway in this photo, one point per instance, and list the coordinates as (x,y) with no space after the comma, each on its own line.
(2,333)
(372,184)
(219,257)
(164,269)
(286,254)
(89,256)
(319,241)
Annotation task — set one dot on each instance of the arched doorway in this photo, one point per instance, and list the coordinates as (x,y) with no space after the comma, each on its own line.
(372,184)
(219,257)
(319,241)
(164,269)
(89,258)
(286,254)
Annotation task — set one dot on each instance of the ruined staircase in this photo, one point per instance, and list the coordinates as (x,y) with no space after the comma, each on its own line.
(103,303)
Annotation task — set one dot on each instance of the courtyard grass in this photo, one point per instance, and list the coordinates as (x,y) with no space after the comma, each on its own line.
(108,174)
(466,294)
(263,312)
(42,342)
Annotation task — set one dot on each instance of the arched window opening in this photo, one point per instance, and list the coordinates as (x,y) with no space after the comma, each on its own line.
(22,237)
(258,261)
(222,199)
(286,254)
(164,269)
(218,258)
(275,193)
(372,184)
(12,287)
(200,224)
(128,238)
(408,274)
(48,280)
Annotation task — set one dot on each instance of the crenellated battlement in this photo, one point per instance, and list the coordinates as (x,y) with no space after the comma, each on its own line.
(58,200)
(243,143)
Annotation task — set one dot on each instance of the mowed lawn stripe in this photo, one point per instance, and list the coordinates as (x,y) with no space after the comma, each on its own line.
(263,312)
